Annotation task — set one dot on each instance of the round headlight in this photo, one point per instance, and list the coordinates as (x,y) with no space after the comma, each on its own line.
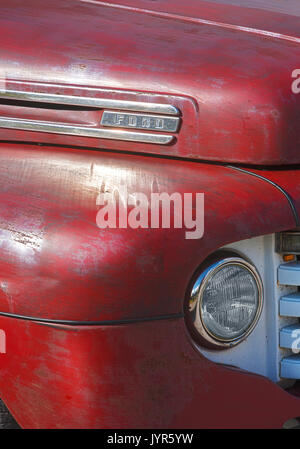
(226,302)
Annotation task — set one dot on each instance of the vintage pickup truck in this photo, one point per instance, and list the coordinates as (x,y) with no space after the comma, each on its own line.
(140,326)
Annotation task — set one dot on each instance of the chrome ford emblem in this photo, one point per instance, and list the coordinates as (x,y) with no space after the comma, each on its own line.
(140,121)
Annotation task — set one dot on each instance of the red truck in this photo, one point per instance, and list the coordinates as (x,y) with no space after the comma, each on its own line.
(113,323)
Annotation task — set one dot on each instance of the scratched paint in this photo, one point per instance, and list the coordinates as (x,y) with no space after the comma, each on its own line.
(228,70)
(57,264)
(129,377)
(205,59)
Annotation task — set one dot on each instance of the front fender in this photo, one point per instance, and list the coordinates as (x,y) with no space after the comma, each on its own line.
(56,264)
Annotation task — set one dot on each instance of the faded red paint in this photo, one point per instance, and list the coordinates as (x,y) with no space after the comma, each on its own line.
(289,180)
(144,375)
(233,87)
(58,264)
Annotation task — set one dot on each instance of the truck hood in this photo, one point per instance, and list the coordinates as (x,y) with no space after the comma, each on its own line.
(231,73)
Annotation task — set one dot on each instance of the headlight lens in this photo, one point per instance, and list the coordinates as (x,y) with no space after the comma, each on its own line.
(226,301)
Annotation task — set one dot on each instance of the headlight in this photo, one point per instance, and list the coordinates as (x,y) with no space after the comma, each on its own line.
(225,302)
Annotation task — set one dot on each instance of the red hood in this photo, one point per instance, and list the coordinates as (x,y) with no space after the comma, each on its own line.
(235,63)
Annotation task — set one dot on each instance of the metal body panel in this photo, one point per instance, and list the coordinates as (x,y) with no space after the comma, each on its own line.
(226,72)
(243,108)
(289,180)
(123,377)
(57,264)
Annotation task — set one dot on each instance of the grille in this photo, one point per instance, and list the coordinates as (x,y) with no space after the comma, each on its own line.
(270,348)
(289,306)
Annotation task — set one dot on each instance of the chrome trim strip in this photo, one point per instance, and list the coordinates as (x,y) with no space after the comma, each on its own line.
(48,321)
(56,128)
(138,106)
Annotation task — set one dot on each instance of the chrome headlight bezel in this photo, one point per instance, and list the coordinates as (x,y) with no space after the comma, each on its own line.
(194,317)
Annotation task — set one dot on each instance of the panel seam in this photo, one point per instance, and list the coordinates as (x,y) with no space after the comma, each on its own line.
(92,323)
(274,184)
